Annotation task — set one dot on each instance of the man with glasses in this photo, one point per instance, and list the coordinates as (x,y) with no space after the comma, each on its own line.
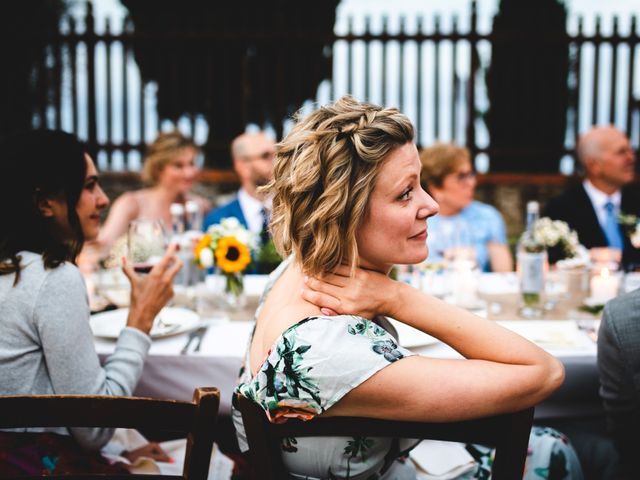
(592,207)
(253,155)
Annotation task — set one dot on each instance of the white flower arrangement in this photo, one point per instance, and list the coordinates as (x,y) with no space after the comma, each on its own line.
(631,226)
(634,236)
(557,234)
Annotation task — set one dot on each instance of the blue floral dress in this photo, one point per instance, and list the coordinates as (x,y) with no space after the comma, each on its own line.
(318,360)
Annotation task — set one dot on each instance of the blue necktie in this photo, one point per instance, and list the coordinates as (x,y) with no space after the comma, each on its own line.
(611,227)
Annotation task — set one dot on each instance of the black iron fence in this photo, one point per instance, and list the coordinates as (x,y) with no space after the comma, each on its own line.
(89,82)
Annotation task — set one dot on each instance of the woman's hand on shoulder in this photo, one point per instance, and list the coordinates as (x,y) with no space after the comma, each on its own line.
(367,293)
(150,293)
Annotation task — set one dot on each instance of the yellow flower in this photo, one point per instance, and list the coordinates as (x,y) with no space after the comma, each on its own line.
(232,255)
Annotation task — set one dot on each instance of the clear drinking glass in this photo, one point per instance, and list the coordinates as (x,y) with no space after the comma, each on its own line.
(146,244)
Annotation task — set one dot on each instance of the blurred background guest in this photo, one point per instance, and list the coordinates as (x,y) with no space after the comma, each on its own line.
(463,222)
(253,155)
(170,170)
(592,207)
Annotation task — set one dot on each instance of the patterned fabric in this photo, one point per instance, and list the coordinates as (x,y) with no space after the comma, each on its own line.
(318,360)
(299,380)
(550,457)
(49,454)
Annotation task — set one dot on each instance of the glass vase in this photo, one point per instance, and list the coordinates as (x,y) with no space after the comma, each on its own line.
(234,290)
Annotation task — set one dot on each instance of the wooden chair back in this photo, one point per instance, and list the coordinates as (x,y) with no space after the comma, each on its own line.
(508,433)
(195,420)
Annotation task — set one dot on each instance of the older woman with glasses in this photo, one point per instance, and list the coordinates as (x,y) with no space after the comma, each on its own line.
(448,175)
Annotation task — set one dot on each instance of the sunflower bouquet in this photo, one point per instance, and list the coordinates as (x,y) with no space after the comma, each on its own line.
(228,247)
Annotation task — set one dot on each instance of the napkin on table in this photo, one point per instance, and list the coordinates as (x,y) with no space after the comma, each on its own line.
(436,460)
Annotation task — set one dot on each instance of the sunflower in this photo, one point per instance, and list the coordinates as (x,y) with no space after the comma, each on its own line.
(232,255)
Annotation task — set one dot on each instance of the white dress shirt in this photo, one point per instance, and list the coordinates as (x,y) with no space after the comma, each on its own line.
(599,199)
(252,210)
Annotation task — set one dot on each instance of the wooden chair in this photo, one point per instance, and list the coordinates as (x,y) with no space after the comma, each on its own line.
(508,433)
(195,420)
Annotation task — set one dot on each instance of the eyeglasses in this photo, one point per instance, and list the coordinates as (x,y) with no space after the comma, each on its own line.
(462,176)
(266,155)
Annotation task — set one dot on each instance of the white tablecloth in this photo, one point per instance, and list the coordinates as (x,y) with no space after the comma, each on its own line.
(168,374)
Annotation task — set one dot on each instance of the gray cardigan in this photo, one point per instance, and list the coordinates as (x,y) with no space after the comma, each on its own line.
(46,344)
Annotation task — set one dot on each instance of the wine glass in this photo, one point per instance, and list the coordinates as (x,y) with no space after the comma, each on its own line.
(146,244)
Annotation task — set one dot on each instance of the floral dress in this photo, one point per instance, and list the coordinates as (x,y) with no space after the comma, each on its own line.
(318,360)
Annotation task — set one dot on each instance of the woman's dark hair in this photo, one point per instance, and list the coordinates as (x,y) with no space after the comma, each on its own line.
(34,166)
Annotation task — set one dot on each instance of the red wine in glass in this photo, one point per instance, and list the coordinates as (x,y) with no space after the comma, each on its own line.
(142,267)
(146,244)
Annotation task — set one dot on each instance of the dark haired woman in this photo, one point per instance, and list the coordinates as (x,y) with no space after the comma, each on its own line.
(50,204)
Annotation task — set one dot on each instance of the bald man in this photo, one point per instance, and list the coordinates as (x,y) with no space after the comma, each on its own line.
(253,155)
(592,207)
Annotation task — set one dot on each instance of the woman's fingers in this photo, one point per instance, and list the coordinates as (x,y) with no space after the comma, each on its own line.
(333,279)
(321,285)
(128,271)
(168,258)
(322,300)
(150,450)
(173,269)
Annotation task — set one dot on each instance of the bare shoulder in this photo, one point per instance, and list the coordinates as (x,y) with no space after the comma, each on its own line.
(130,201)
(282,308)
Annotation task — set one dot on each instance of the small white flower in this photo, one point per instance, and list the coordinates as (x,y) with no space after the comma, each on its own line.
(554,233)
(635,237)
(230,223)
(206,258)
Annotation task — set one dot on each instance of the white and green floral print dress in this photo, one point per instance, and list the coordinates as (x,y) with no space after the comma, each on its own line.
(318,360)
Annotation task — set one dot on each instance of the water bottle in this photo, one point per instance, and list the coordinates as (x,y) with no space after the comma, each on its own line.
(177,218)
(531,257)
(194,216)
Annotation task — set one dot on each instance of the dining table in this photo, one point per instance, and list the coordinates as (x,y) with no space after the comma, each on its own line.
(172,372)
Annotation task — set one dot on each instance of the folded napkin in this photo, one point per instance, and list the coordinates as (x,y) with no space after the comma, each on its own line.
(436,460)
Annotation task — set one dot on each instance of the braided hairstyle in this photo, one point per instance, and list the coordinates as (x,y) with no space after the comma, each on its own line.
(324,173)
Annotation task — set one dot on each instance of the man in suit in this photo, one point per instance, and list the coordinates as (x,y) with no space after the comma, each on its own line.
(619,370)
(253,155)
(592,207)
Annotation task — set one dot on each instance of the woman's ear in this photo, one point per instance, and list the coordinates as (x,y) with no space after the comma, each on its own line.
(45,207)
(44,204)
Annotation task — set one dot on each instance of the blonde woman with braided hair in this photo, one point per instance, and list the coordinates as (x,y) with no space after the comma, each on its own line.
(347,205)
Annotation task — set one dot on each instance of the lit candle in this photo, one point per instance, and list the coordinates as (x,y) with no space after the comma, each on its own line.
(604,286)
(464,287)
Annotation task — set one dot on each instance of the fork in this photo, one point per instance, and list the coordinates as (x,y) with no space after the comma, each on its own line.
(196,335)
(200,333)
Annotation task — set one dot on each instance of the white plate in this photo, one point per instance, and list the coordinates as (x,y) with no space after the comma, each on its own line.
(170,321)
(412,337)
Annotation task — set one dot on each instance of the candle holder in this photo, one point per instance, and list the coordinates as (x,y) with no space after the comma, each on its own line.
(604,285)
